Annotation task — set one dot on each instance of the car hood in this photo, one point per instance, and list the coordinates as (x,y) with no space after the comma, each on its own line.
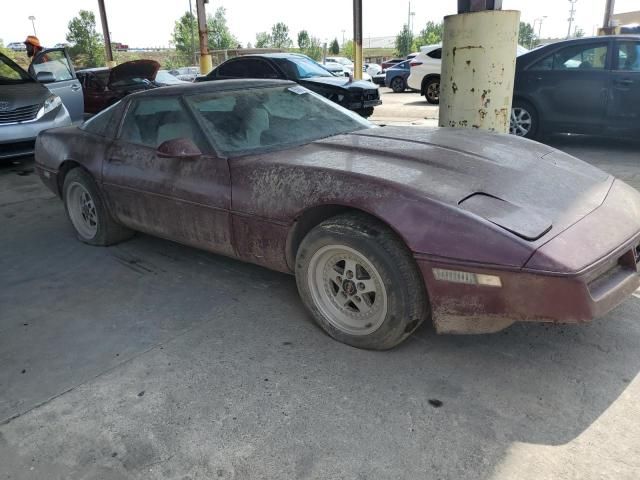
(340,82)
(134,69)
(22,95)
(525,187)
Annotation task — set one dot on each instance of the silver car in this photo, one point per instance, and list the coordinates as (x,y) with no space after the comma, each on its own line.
(46,97)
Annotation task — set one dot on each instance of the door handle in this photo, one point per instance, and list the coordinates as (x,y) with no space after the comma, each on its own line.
(624,81)
(75,88)
(115,161)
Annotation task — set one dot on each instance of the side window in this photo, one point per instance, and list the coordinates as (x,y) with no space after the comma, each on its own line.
(104,123)
(231,69)
(154,120)
(55,62)
(437,53)
(247,68)
(628,57)
(577,57)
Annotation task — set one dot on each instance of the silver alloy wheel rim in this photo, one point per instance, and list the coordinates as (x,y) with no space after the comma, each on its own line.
(433,91)
(347,290)
(521,122)
(82,210)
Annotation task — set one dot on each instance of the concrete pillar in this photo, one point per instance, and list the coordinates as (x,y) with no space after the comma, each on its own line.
(205,57)
(478,69)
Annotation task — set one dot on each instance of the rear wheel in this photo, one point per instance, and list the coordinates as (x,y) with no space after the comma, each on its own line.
(360,283)
(398,85)
(365,112)
(88,213)
(431,90)
(524,120)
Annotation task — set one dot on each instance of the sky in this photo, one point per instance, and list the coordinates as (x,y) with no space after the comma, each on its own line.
(149,23)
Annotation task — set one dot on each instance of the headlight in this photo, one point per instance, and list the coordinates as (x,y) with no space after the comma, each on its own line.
(50,104)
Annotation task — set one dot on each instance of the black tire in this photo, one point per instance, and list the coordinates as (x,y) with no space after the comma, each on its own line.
(107,231)
(365,112)
(403,292)
(431,90)
(521,112)
(398,85)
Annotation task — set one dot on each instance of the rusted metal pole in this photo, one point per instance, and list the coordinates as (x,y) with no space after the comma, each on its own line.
(105,33)
(205,58)
(608,13)
(357,39)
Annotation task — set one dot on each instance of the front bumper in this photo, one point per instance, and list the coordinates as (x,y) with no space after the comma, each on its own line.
(600,258)
(17,139)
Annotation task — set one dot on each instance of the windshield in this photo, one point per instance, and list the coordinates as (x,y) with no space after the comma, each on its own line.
(241,122)
(11,73)
(165,77)
(301,67)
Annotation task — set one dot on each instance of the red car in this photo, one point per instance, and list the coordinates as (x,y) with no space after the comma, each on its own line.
(103,87)
(383,227)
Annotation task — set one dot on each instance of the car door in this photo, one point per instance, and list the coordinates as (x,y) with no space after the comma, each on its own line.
(186,200)
(64,84)
(570,87)
(623,111)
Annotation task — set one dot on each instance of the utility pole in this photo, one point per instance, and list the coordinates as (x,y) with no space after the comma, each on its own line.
(105,33)
(193,39)
(33,24)
(357,39)
(572,14)
(343,37)
(608,13)
(205,58)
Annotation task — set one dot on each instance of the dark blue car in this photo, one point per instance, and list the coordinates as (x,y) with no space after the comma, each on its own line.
(396,76)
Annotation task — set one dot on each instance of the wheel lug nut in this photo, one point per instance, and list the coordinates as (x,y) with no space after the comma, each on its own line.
(349,274)
(360,286)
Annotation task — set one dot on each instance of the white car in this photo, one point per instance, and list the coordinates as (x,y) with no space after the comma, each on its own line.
(340,69)
(344,61)
(425,73)
(17,46)
(372,69)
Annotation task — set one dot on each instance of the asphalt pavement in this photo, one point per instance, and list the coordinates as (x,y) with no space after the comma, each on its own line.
(152,360)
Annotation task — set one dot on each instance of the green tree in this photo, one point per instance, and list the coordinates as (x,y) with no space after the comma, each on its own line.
(263,40)
(526,35)
(334,48)
(314,49)
(219,35)
(87,49)
(579,32)
(347,49)
(431,34)
(184,38)
(404,41)
(280,36)
(303,40)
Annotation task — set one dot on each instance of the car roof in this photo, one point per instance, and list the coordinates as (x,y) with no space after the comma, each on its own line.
(274,55)
(578,41)
(212,86)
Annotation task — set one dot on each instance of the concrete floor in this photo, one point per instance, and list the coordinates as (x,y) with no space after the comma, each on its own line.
(151,360)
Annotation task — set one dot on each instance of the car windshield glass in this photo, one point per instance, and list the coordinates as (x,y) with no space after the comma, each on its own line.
(11,73)
(304,67)
(242,122)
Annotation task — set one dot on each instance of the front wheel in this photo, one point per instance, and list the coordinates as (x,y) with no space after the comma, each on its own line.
(360,283)
(431,91)
(87,211)
(365,112)
(524,120)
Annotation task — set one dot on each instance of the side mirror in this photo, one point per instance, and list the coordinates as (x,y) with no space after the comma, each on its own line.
(178,148)
(45,77)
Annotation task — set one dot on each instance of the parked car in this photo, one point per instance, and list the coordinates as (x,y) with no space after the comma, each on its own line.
(163,78)
(372,69)
(188,74)
(17,46)
(391,62)
(586,85)
(380,226)
(425,73)
(103,87)
(396,76)
(344,61)
(380,78)
(26,108)
(358,95)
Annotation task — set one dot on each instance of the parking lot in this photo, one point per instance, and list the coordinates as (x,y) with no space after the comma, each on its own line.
(153,360)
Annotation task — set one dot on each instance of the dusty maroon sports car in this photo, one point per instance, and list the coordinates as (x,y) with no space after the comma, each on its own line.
(383,227)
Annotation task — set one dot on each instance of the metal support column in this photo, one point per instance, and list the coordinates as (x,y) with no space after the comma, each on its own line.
(105,33)
(608,13)
(205,58)
(357,39)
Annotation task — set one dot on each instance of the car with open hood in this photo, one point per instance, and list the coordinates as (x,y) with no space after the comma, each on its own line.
(104,86)
(48,96)
(358,95)
(383,227)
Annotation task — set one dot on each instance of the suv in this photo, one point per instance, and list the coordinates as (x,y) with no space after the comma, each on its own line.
(425,73)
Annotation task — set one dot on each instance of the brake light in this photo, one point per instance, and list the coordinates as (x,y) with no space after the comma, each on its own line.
(415,64)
